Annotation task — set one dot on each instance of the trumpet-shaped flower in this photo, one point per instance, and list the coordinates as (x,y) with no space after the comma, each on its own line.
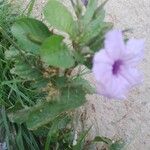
(114,67)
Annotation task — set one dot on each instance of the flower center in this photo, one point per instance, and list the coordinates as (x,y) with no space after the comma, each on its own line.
(116,67)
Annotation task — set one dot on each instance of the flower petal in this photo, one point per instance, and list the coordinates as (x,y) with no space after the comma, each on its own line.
(114,44)
(102,57)
(115,88)
(100,70)
(134,51)
(131,75)
(102,64)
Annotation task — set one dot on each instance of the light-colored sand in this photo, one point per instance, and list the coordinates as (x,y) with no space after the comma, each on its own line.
(130,119)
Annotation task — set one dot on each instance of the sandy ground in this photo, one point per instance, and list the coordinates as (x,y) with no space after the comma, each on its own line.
(129,119)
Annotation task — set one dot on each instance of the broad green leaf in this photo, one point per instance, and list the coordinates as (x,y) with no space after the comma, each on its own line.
(30,33)
(55,53)
(19,116)
(40,83)
(70,98)
(26,71)
(60,82)
(59,17)
(42,113)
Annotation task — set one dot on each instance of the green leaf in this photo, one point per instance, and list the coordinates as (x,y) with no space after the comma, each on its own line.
(92,30)
(55,53)
(100,15)
(59,17)
(30,33)
(97,42)
(91,7)
(69,99)
(100,10)
(60,82)
(19,116)
(43,113)
(26,71)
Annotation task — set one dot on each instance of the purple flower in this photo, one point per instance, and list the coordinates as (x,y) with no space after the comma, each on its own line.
(114,67)
(85,2)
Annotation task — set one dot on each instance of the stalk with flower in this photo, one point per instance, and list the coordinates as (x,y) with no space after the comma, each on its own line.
(45,55)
